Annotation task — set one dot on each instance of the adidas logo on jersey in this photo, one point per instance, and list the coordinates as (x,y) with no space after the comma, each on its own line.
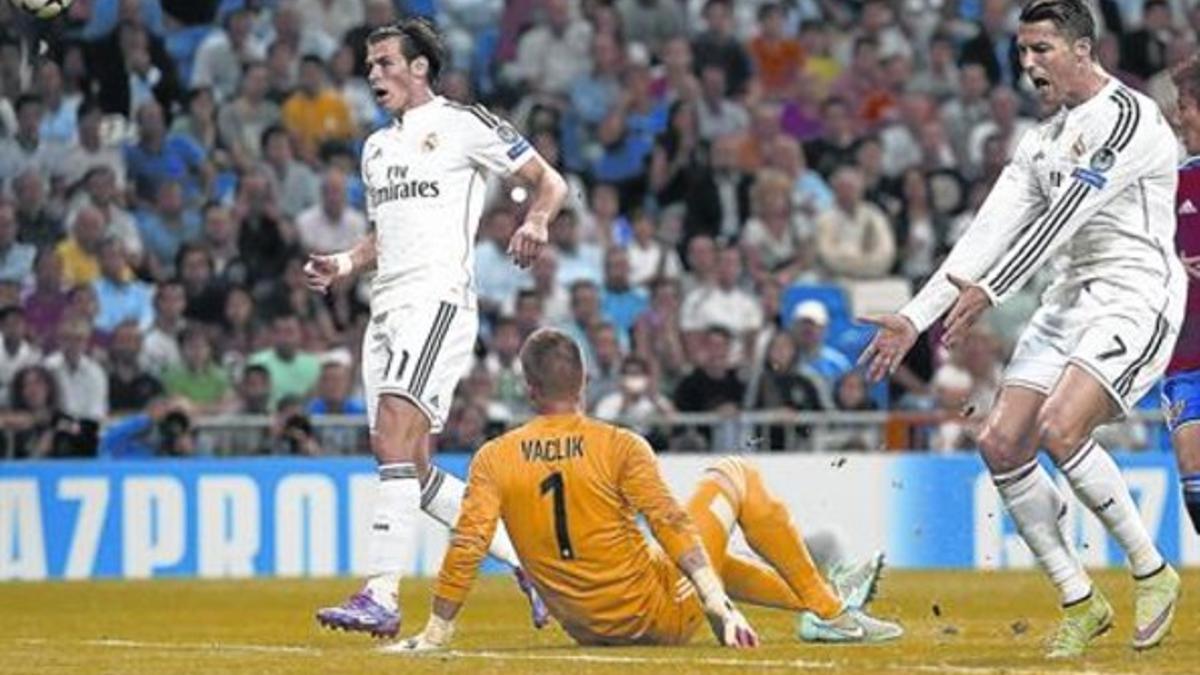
(1187,208)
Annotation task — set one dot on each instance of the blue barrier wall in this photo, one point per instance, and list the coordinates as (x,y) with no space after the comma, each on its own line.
(305,517)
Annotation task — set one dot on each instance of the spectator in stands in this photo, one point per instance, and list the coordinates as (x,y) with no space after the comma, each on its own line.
(649,257)
(37,425)
(920,231)
(81,381)
(158,156)
(37,224)
(657,337)
(1144,51)
(219,236)
(854,238)
(331,226)
(220,60)
(496,277)
(810,321)
(504,367)
(713,386)
(166,227)
(292,296)
(79,253)
(636,402)
(555,299)
(466,428)
(316,113)
(75,160)
(334,18)
(940,76)
(529,310)
(593,96)
(772,242)
(60,117)
(120,296)
(969,107)
(621,303)
(577,259)
(160,349)
(852,395)
(863,85)
(585,311)
(242,121)
(676,78)
(723,303)
(101,192)
(16,259)
(778,386)
(282,68)
(652,22)
(293,372)
(295,185)
(994,46)
(716,113)
(26,149)
(764,132)
(264,235)
(701,263)
(679,168)
(952,390)
(198,122)
(778,57)
(603,360)
(16,351)
(1004,119)
(288,27)
(131,68)
(821,69)
(130,387)
(551,54)
(199,378)
(623,149)
(900,139)
(838,141)
(254,392)
(605,224)
(718,44)
(810,194)
(47,302)
(242,333)
(355,91)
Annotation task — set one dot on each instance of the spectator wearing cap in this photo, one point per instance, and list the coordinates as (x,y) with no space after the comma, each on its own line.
(37,223)
(810,321)
(331,225)
(130,387)
(82,383)
(722,303)
(316,113)
(854,238)
(16,351)
(119,296)
(16,259)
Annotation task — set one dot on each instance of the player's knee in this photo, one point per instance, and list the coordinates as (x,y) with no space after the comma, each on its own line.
(401,431)
(1002,449)
(734,474)
(1059,434)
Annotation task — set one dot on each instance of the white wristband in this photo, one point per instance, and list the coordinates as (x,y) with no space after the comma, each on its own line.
(344,263)
(709,586)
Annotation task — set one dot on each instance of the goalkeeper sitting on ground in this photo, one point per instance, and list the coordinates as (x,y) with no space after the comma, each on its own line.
(570,488)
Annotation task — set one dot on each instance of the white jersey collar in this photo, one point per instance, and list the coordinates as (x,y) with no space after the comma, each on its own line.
(418,112)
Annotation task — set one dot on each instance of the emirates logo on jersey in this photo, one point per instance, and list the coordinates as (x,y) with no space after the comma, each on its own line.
(400,186)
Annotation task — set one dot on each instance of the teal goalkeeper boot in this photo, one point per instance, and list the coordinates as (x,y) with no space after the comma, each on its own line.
(1081,623)
(1155,598)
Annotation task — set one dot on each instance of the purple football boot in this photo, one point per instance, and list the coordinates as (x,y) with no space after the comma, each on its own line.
(538,613)
(361,613)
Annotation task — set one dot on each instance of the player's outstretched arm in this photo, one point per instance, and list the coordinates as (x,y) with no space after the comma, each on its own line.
(728,624)
(321,271)
(549,191)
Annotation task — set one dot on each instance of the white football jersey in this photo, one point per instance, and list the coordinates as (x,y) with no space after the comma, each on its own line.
(1094,185)
(425,184)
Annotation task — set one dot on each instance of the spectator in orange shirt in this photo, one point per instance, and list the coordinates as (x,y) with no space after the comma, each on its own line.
(777,57)
(316,113)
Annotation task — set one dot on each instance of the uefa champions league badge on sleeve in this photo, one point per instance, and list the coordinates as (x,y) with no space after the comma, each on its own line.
(1102,160)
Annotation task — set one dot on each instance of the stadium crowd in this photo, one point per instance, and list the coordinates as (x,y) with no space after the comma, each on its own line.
(746,177)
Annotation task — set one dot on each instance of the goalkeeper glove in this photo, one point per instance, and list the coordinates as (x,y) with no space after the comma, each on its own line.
(727,623)
(436,636)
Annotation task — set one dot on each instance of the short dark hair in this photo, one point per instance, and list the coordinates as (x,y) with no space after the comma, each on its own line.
(256,369)
(1186,76)
(417,38)
(26,99)
(1072,18)
(552,363)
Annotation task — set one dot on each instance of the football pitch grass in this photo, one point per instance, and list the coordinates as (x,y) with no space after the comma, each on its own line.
(956,622)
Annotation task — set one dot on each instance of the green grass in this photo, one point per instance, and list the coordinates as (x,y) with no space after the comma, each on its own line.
(957,622)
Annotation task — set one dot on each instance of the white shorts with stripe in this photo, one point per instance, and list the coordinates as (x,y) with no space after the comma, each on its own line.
(418,352)
(1118,338)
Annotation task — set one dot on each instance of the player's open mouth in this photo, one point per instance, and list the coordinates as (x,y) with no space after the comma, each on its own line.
(1041,83)
(380,93)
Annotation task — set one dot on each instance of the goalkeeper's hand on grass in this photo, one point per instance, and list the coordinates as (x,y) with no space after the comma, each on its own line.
(731,628)
(436,636)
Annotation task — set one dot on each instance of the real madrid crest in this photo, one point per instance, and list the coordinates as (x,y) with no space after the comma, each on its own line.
(1102,160)
(430,143)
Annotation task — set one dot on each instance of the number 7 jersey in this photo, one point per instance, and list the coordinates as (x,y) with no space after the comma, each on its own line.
(569,489)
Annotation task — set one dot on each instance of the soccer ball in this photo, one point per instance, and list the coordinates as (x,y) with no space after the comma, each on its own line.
(43,9)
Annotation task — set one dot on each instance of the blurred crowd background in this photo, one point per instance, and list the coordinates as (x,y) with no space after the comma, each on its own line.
(746,178)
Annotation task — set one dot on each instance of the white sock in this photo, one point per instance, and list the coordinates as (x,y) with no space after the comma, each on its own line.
(441,498)
(1098,483)
(1036,505)
(391,541)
